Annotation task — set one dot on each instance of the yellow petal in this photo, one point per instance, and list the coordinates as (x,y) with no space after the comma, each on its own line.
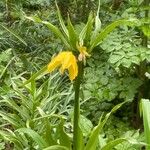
(67,61)
(53,64)
(73,72)
(73,69)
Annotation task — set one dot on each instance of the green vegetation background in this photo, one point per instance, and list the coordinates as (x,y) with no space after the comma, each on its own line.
(117,71)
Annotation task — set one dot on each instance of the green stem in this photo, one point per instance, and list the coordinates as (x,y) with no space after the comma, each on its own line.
(76,129)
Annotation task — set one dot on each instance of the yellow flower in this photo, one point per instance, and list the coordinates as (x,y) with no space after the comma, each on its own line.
(67,61)
(83,52)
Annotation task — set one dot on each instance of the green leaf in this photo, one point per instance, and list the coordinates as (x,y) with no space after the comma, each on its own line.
(4,70)
(89,29)
(146,30)
(16,107)
(56,147)
(97,23)
(72,34)
(62,22)
(34,135)
(96,41)
(80,139)
(85,125)
(14,34)
(115,58)
(86,31)
(63,137)
(11,137)
(93,138)
(110,145)
(36,75)
(12,119)
(53,28)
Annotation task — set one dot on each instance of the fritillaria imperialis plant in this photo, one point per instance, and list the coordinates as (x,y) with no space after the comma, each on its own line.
(78,48)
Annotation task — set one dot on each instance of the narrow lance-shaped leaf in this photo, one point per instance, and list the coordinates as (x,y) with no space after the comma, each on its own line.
(14,34)
(110,145)
(89,28)
(11,137)
(62,22)
(12,119)
(86,31)
(4,70)
(53,28)
(56,147)
(12,104)
(97,23)
(37,75)
(72,34)
(48,128)
(98,39)
(93,139)
(34,135)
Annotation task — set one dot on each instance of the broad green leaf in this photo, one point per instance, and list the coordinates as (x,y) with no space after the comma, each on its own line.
(93,138)
(85,125)
(49,138)
(34,135)
(97,24)
(56,147)
(146,30)
(14,34)
(57,32)
(110,145)
(115,58)
(145,103)
(64,138)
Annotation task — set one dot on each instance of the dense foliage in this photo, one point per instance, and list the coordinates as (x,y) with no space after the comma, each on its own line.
(40,114)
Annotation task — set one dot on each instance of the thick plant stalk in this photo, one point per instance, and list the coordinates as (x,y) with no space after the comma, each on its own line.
(76,129)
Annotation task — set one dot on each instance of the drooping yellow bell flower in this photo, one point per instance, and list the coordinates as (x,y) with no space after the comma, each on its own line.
(65,60)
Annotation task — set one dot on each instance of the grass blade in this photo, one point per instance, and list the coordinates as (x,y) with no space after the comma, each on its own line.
(34,135)
(52,28)
(146,119)
(14,34)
